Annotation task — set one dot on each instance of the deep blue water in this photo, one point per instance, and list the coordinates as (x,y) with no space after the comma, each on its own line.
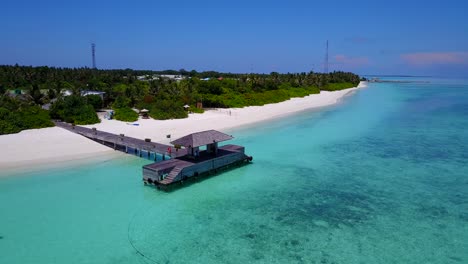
(380,178)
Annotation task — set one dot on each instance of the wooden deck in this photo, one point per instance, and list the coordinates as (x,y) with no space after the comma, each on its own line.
(126,144)
(165,172)
(181,168)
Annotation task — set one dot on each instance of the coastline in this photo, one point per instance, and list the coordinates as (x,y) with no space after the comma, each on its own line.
(37,149)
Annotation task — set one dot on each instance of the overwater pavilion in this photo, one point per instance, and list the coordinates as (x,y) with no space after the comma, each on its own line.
(209,138)
(195,162)
(182,163)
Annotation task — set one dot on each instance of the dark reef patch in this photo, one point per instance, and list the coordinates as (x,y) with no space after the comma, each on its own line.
(250,236)
(463,216)
(336,208)
(433,211)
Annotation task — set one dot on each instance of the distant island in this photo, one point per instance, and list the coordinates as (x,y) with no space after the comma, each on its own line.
(30,97)
(396,76)
(378,80)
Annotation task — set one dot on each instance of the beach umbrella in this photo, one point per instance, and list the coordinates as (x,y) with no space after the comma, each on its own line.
(144,111)
(186,106)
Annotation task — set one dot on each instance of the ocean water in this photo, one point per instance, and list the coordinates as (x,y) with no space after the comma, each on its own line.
(380,178)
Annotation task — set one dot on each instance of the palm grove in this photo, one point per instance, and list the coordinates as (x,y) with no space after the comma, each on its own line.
(23,90)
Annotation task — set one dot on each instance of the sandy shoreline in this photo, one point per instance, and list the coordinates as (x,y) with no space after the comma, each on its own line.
(38,148)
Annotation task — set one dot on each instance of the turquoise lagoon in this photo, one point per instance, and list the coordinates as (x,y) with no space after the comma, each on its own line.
(380,178)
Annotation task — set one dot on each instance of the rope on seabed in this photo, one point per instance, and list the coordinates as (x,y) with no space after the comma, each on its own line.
(133,245)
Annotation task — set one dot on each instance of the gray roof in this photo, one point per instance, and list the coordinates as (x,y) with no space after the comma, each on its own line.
(84,93)
(46,106)
(202,138)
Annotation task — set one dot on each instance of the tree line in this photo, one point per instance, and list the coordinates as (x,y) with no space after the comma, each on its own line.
(23,87)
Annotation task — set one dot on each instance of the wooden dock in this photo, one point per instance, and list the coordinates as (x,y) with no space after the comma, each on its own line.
(126,144)
(175,164)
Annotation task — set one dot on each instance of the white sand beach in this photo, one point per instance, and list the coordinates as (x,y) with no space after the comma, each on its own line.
(52,146)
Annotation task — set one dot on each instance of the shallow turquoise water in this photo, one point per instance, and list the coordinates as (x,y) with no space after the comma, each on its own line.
(380,178)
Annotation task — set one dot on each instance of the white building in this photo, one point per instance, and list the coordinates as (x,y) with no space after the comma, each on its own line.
(86,93)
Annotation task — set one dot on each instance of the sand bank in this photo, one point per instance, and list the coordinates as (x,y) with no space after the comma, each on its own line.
(34,149)
(49,146)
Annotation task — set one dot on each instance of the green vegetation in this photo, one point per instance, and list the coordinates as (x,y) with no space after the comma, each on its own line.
(166,109)
(16,116)
(74,109)
(125,114)
(163,97)
(196,110)
(94,100)
(338,86)
(284,93)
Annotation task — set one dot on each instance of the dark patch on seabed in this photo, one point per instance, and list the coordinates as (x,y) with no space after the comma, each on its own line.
(417,148)
(251,236)
(457,259)
(337,208)
(463,217)
(304,171)
(331,208)
(433,211)
(1,237)
(314,195)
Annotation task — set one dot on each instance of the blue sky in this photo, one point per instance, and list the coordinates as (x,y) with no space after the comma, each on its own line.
(366,37)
